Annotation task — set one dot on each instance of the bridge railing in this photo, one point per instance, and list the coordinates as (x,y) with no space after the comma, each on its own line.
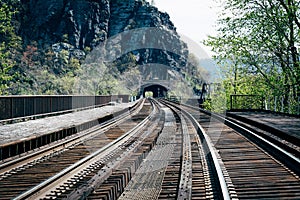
(277,104)
(18,107)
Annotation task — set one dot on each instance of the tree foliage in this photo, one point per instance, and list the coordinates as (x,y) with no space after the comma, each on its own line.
(257,45)
(9,44)
(195,74)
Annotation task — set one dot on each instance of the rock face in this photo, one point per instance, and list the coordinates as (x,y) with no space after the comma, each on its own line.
(88,23)
(81,22)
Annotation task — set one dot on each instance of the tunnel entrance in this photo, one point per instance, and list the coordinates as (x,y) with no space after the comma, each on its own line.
(156,90)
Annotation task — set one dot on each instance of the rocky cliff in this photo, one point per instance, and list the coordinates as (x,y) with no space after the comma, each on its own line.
(78,24)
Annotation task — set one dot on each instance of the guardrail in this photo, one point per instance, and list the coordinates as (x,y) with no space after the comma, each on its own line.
(276,104)
(20,107)
(268,103)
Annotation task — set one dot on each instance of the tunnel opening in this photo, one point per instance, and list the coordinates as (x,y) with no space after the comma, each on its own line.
(148,94)
(156,91)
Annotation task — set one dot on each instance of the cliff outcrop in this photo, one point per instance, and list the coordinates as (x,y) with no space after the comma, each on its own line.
(88,23)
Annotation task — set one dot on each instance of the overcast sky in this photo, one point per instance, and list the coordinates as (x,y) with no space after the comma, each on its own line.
(196,19)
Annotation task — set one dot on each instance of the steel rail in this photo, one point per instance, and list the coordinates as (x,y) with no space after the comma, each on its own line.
(222,181)
(185,189)
(213,152)
(49,147)
(262,139)
(117,142)
(288,158)
(86,190)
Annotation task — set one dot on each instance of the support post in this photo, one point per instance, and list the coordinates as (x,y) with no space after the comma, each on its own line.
(11,108)
(230,102)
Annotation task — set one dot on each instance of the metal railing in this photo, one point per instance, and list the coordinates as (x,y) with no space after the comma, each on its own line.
(269,103)
(276,104)
(18,107)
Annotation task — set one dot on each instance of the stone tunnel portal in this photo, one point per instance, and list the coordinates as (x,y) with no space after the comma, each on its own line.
(157,90)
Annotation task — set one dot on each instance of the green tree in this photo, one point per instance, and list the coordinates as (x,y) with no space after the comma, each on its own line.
(259,40)
(9,44)
(130,81)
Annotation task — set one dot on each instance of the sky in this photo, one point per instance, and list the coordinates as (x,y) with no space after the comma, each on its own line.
(195,19)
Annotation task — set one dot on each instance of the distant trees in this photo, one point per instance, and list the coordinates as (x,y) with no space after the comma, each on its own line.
(258,47)
(194,74)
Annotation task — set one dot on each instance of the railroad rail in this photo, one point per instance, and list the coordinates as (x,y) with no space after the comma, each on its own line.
(289,142)
(254,167)
(179,166)
(60,155)
(33,135)
(160,151)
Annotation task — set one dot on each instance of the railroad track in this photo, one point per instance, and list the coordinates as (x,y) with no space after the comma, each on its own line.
(288,142)
(180,166)
(17,178)
(161,158)
(253,167)
(164,151)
